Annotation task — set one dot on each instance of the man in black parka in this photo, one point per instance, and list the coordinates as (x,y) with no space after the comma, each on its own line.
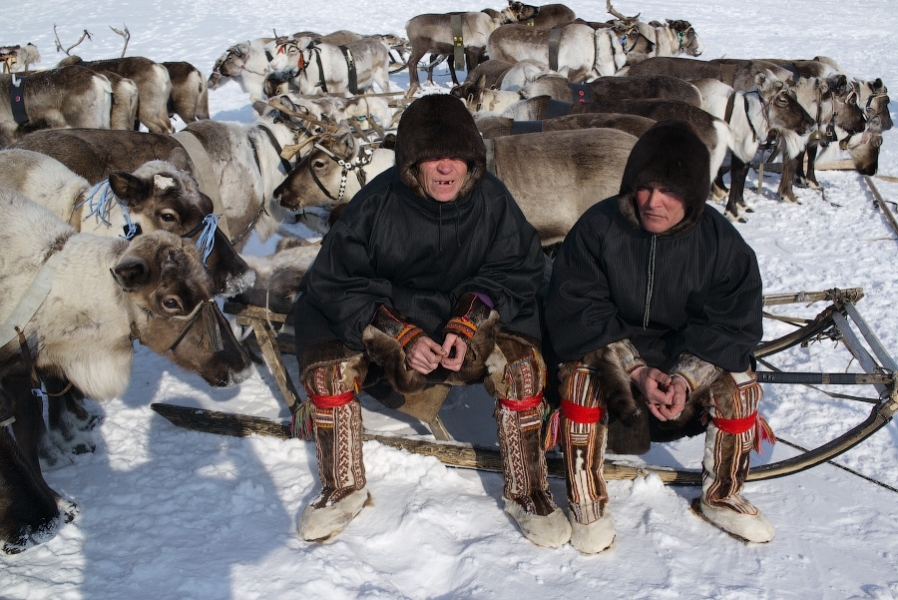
(655,302)
(429,277)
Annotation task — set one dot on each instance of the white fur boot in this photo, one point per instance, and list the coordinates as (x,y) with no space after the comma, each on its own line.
(725,462)
(319,524)
(338,440)
(594,537)
(527,496)
(583,441)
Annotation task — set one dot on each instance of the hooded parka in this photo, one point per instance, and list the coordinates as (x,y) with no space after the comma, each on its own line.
(395,246)
(694,289)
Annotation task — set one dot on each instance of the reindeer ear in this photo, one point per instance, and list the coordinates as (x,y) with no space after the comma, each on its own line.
(345,145)
(131,272)
(179,158)
(130,189)
(260,107)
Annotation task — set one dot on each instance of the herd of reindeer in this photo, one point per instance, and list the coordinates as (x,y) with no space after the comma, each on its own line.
(166,213)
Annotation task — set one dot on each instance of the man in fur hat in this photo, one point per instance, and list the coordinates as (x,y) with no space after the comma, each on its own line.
(655,302)
(429,277)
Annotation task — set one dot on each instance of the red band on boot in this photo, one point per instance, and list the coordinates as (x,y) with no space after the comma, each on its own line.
(763,432)
(736,426)
(523,404)
(331,401)
(581,414)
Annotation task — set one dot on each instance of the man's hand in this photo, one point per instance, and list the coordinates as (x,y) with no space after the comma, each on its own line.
(665,395)
(453,360)
(424,355)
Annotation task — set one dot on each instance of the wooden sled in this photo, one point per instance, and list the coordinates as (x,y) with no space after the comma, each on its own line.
(839,321)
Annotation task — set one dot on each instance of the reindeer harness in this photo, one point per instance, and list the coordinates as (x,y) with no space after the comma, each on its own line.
(17,99)
(358,166)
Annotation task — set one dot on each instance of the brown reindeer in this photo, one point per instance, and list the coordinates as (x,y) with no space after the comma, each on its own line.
(433,33)
(546,16)
(56,98)
(189,92)
(153,86)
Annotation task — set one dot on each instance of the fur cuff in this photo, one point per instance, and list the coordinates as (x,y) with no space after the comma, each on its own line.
(386,351)
(480,347)
(394,325)
(469,314)
(699,374)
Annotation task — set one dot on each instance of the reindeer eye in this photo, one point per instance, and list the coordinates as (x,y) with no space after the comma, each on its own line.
(781,101)
(319,164)
(168,217)
(172,304)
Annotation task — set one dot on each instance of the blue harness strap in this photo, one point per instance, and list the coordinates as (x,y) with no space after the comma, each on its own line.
(520,127)
(17,99)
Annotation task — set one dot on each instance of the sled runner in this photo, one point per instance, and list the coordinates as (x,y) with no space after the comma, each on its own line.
(839,322)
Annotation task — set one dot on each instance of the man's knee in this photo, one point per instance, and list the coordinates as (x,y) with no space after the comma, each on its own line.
(735,395)
(332,371)
(516,368)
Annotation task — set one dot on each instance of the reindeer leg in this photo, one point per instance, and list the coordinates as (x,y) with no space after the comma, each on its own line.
(738,173)
(790,167)
(811,177)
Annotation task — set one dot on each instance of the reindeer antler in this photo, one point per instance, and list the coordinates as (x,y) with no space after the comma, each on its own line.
(275,103)
(59,47)
(125,34)
(617,15)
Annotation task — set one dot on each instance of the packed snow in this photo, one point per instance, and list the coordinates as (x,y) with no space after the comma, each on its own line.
(169,513)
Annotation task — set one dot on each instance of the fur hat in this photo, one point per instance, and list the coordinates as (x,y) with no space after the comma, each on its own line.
(669,153)
(438,126)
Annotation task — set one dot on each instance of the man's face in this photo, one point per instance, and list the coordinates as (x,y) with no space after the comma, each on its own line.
(660,207)
(441,178)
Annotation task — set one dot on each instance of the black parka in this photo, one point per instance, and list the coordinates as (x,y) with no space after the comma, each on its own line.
(693,289)
(697,291)
(417,256)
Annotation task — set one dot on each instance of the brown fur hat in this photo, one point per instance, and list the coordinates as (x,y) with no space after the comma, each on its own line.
(669,153)
(437,126)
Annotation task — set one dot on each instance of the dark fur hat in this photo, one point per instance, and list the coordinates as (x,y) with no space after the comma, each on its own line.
(669,153)
(437,126)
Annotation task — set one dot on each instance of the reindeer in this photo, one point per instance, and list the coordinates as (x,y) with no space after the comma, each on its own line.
(434,34)
(18,58)
(189,92)
(56,98)
(153,289)
(244,62)
(614,88)
(581,53)
(545,17)
(738,74)
(157,196)
(244,160)
(492,127)
(326,68)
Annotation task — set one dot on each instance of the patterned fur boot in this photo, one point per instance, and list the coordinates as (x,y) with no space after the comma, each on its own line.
(337,423)
(735,429)
(519,414)
(583,440)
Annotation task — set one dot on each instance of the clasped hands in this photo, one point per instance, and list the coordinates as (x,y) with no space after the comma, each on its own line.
(665,395)
(425,355)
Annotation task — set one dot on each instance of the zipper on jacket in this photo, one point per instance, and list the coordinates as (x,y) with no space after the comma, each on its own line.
(650,285)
